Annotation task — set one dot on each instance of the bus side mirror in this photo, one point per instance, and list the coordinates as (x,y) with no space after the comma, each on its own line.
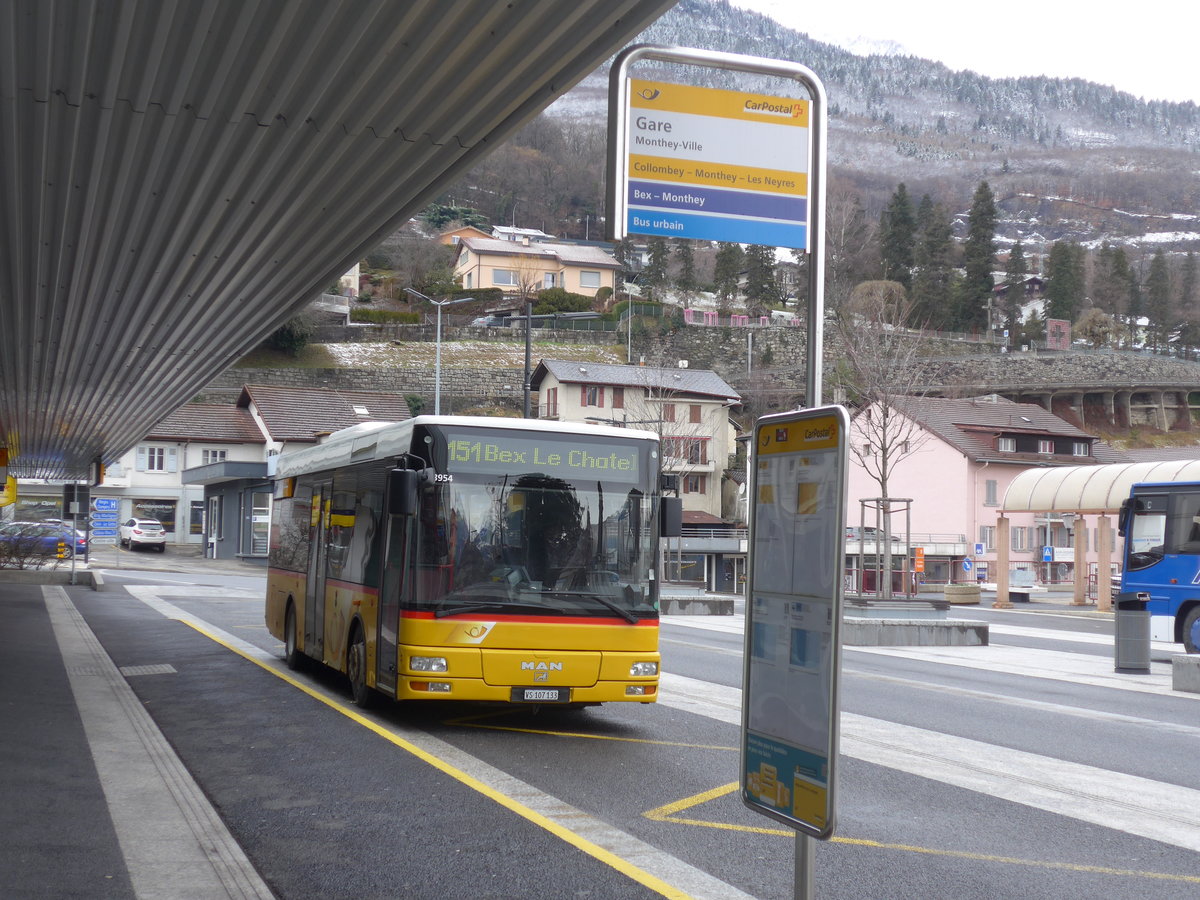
(1127,506)
(403,488)
(670,515)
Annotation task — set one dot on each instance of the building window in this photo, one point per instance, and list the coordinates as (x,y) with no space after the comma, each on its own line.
(589,279)
(1045,446)
(1080,448)
(552,403)
(207,457)
(668,412)
(618,398)
(1006,445)
(695,484)
(987,537)
(694,413)
(688,449)
(989,489)
(467,280)
(157,459)
(506,277)
(548,280)
(1019,538)
(591,395)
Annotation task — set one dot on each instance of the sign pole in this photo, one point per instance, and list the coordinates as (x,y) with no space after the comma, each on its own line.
(748,167)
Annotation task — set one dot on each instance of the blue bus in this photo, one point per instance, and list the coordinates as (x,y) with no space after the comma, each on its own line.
(1161,527)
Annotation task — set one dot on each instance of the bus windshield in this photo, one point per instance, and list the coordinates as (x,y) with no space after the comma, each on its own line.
(535,544)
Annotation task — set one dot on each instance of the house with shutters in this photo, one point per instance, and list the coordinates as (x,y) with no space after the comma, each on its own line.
(526,266)
(690,411)
(955,458)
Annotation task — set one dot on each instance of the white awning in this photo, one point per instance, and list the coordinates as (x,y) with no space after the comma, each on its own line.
(1090,489)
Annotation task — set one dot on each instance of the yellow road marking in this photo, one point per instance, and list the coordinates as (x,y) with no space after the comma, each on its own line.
(565,834)
(667,813)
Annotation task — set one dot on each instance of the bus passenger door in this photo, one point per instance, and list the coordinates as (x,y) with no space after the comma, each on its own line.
(314,591)
(392,588)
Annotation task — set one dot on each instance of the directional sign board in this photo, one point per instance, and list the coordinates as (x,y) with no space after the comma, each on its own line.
(717,165)
(714,164)
(793,618)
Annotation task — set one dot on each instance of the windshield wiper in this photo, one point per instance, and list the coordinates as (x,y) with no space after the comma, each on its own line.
(501,605)
(603,601)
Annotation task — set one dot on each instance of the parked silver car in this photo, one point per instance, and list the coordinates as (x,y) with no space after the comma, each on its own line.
(135,533)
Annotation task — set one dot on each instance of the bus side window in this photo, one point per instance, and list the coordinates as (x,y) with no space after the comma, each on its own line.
(1184,528)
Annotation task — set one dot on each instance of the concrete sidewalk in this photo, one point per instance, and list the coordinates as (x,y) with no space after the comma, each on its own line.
(96,802)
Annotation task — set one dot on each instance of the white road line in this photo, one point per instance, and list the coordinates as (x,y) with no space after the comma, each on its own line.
(1141,806)
(694,882)
(1054,665)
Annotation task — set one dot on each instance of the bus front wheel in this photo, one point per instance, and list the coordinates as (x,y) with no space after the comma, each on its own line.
(1191,631)
(356,670)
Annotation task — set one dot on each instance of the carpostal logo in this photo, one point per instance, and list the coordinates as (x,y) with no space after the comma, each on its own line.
(788,109)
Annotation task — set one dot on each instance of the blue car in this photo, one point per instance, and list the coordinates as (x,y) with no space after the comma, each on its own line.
(42,539)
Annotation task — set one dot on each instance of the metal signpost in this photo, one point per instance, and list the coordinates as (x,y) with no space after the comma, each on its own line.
(742,166)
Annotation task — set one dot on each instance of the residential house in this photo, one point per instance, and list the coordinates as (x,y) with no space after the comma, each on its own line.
(689,410)
(954,464)
(146,481)
(519,235)
(526,267)
(237,496)
(454,236)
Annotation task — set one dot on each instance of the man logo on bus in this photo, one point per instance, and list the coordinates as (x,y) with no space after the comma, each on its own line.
(539,666)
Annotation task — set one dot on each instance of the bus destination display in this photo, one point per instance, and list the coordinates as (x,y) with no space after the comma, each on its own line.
(486,454)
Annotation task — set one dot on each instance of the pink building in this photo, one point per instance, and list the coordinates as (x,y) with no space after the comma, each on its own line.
(954,461)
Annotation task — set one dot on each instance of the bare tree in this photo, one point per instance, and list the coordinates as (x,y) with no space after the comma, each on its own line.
(878,374)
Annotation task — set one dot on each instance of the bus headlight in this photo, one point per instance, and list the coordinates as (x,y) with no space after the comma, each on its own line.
(643,669)
(427,663)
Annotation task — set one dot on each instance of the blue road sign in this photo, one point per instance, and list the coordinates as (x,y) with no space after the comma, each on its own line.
(967,564)
(1047,554)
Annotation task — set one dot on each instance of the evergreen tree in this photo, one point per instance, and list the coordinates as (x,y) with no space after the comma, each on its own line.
(978,259)
(1134,313)
(685,260)
(654,276)
(1189,316)
(1110,280)
(727,269)
(1014,290)
(761,288)
(933,283)
(1064,281)
(897,234)
(1158,303)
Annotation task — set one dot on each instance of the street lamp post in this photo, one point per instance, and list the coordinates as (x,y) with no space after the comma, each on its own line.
(437,363)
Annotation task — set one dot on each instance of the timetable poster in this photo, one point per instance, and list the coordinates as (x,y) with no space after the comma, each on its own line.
(793,614)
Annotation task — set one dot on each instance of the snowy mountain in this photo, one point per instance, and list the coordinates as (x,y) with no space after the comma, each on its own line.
(1065,158)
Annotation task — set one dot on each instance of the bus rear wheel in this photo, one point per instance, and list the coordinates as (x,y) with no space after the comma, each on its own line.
(291,655)
(1191,631)
(356,670)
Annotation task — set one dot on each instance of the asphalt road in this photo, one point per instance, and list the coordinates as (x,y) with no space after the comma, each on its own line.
(1025,769)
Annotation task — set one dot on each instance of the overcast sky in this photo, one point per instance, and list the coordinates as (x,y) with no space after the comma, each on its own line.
(1148,51)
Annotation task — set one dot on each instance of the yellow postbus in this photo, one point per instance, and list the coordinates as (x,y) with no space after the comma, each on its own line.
(464,558)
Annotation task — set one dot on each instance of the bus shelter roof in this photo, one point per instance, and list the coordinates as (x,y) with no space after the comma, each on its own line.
(1090,489)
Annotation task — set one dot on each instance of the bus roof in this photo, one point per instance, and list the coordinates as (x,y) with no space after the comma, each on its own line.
(385,440)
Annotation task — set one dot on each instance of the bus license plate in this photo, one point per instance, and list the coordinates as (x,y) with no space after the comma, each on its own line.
(541,695)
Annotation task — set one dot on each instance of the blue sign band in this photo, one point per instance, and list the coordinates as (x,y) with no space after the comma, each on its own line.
(717,228)
(715,201)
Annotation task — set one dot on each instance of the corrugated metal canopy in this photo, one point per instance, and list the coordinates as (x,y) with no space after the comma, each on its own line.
(1090,489)
(178,177)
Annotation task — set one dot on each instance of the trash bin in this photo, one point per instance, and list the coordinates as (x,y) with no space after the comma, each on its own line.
(1132,633)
